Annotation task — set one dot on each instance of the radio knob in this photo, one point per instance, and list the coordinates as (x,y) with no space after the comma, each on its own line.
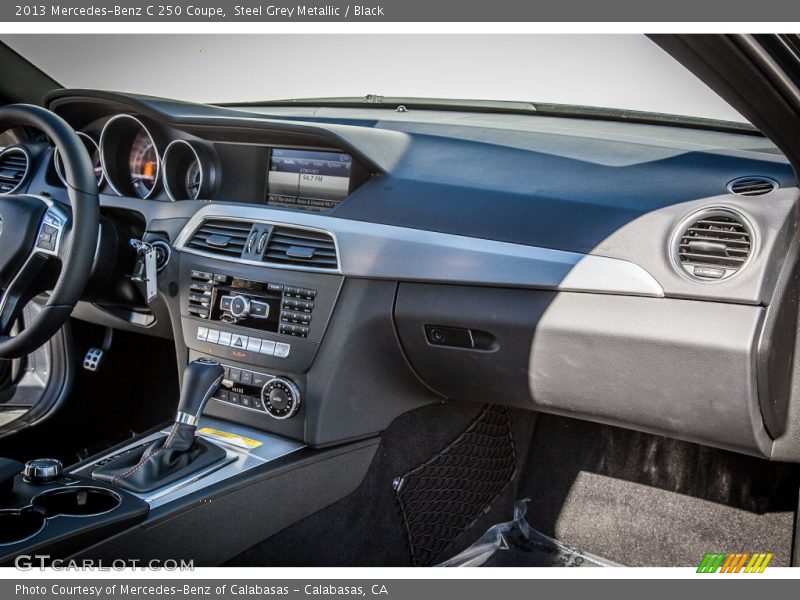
(240,306)
(280,398)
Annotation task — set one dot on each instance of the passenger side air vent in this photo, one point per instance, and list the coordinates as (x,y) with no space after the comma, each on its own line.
(301,248)
(221,236)
(14,165)
(752,186)
(715,245)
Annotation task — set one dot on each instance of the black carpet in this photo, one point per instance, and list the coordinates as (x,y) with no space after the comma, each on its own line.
(367,528)
(632,498)
(645,500)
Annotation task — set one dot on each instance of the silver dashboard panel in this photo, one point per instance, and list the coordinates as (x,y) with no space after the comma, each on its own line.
(376,251)
(238,459)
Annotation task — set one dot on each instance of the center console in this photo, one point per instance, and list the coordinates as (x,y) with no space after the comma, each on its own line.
(265,326)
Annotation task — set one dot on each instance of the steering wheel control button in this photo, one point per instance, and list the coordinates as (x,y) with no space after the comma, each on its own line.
(280,397)
(43,470)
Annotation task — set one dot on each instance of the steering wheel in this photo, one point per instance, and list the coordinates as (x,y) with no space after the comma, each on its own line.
(39,237)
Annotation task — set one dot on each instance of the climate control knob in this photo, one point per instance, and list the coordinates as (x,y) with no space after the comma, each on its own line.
(240,306)
(281,398)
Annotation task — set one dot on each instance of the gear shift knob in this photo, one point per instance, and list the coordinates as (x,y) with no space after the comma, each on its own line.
(200,380)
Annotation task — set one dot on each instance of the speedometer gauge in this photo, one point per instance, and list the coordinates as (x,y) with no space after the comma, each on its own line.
(129,153)
(143,164)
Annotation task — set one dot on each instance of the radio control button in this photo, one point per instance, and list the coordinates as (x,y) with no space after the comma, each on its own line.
(202,333)
(203,299)
(202,275)
(220,278)
(282,350)
(259,309)
(225,302)
(224,338)
(239,341)
(267,347)
(254,345)
(275,287)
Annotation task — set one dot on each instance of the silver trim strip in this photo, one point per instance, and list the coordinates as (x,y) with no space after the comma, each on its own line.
(371,250)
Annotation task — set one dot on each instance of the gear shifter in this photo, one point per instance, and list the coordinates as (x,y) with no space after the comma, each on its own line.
(200,380)
(178,454)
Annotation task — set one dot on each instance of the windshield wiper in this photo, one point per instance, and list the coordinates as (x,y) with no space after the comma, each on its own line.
(403,103)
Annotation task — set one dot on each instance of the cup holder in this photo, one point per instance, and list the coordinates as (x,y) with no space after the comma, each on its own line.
(19,525)
(79,501)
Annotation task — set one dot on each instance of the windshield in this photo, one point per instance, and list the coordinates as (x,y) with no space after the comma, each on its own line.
(626,72)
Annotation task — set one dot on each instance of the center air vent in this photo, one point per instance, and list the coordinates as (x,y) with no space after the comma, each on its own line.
(752,186)
(14,165)
(221,236)
(714,246)
(301,248)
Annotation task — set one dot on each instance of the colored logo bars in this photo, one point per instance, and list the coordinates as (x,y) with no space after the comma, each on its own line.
(739,562)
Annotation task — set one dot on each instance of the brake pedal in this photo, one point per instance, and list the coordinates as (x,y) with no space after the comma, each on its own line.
(94,356)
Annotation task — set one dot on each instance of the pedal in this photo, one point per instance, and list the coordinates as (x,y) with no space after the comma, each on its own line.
(93,358)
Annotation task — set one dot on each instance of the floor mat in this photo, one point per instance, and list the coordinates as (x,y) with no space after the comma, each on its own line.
(517,544)
(646,500)
(443,497)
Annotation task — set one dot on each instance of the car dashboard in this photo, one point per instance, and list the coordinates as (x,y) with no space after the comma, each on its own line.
(347,265)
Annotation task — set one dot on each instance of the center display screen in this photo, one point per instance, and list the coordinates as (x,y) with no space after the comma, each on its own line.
(308,179)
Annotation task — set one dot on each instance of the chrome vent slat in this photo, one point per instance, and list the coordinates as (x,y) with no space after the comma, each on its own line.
(715,246)
(752,186)
(286,244)
(233,235)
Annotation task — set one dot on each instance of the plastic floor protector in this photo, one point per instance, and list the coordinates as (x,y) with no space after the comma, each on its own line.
(517,544)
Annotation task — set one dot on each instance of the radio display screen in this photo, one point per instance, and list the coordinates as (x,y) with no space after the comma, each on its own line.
(308,179)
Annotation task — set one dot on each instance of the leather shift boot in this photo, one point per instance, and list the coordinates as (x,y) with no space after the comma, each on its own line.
(162,462)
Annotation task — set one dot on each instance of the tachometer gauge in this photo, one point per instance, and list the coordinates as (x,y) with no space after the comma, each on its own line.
(130,157)
(143,164)
(188,171)
(94,153)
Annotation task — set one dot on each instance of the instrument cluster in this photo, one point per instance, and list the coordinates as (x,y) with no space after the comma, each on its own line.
(136,161)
